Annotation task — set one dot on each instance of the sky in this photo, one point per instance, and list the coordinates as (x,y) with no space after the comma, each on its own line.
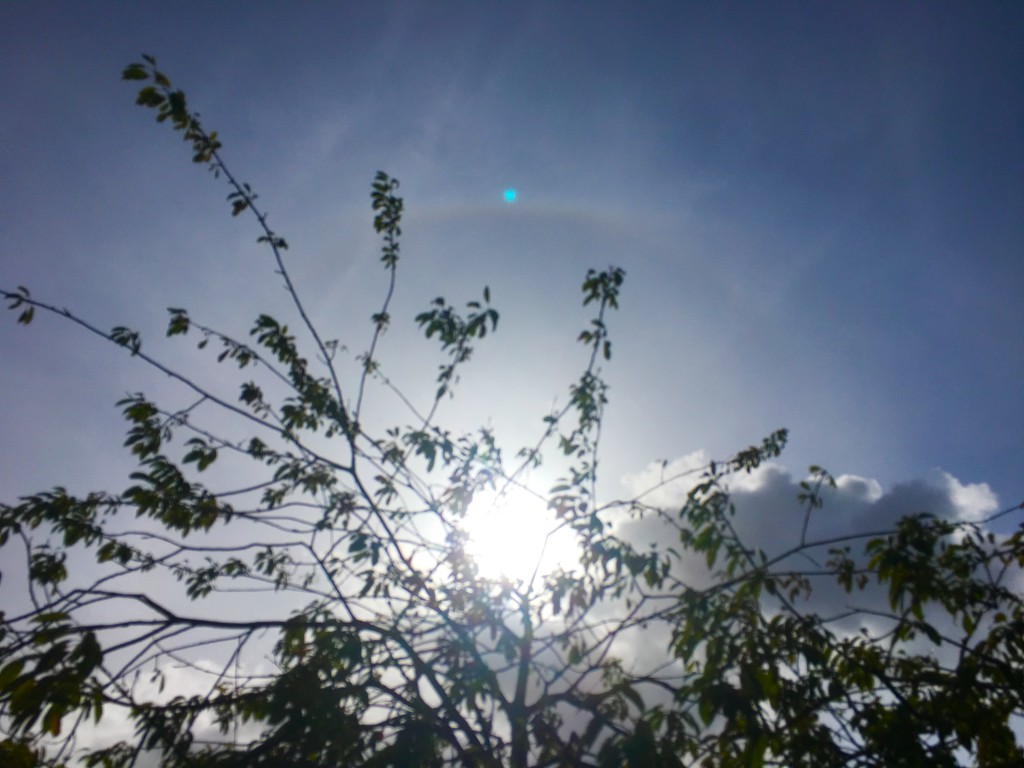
(818,208)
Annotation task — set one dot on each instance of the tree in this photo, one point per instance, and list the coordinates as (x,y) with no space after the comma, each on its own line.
(390,647)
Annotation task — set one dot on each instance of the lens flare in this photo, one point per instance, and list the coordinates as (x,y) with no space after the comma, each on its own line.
(510,195)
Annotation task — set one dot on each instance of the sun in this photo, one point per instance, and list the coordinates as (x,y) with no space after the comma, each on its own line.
(513,535)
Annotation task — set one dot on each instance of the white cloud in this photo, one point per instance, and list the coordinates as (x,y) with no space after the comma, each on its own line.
(665,483)
(769,517)
(860,487)
(973,501)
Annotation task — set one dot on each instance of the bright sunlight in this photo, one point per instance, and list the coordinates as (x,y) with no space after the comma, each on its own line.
(512,534)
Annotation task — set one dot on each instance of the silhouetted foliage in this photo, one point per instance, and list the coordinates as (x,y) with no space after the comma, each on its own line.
(386,644)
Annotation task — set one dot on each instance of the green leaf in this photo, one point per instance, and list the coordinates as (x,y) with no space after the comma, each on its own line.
(179,322)
(756,751)
(52,719)
(15,754)
(706,708)
(150,97)
(10,673)
(630,693)
(135,72)
(49,618)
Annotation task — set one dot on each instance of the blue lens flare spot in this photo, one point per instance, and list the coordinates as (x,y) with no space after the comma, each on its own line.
(510,195)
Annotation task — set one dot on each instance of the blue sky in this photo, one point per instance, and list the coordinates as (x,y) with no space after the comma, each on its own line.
(818,208)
